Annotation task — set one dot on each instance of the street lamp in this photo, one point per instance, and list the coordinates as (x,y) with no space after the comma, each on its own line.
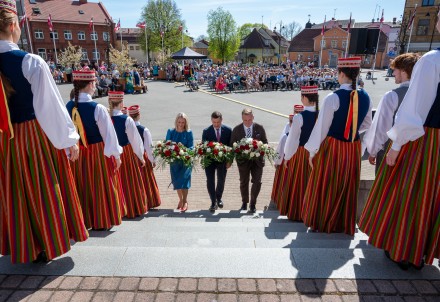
(279,41)
(162,34)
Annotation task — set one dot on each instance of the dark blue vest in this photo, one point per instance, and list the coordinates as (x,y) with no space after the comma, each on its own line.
(119,123)
(337,127)
(141,131)
(309,120)
(433,118)
(87,114)
(20,103)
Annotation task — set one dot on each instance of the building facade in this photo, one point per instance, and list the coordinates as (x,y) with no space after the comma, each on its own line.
(130,40)
(71,24)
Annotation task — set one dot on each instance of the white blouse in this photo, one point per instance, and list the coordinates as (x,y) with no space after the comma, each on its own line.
(133,135)
(422,91)
(292,142)
(106,128)
(148,144)
(50,110)
(329,105)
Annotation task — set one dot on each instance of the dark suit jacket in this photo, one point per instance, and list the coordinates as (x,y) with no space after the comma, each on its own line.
(258,133)
(225,135)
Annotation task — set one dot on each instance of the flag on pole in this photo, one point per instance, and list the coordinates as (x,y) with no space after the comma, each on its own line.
(91,25)
(323,26)
(141,24)
(349,24)
(49,23)
(118,25)
(381,18)
(22,20)
(411,19)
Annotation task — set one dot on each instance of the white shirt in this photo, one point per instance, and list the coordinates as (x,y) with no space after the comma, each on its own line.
(245,130)
(50,110)
(106,128)
(280,149)
(148,144)
(286,129)
(133,135)
(330,104)
(422,91)
(376,137)
(292,142)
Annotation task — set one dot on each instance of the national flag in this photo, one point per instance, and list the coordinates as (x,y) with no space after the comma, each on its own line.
(118,25)
(91,25)
(381,18)
(141,24)
(349,24)
(49,23)
(323,26)
(22,20)
(411,19)
(180,27)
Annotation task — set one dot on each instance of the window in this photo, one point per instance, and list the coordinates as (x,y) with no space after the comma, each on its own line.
(94,36)
(84,54)
(266,42)
(422,27)
(39,34)
(105,36)
(138,48)
(95,54)
(428,2)
(42,52)
(131,47)
(81,35)
(67,35)
(54,35)
(322,43)
(334,43)
(36,10)
(344,44)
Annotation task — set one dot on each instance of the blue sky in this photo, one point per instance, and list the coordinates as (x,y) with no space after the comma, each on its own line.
(194,12)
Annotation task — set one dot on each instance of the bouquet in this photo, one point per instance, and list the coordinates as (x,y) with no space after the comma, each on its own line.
(169,152)
(208,152)
(251,149)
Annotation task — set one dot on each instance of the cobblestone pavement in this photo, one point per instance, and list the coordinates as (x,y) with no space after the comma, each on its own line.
(82,289)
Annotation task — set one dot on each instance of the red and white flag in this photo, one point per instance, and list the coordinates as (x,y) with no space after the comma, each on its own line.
(49,23)
(22,20)
(323,26)
(118,26)
(91,25)
(381,18)
(141,24)
(411,19)
(349,24)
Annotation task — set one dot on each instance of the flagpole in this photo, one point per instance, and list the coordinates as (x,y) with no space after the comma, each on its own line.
(121,39)
(94,40)
(29,35)
(410,33)
(146,41)
(323,39)
(377,49)
(348,35)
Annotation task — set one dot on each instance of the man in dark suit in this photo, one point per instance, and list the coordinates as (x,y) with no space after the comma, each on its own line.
(217,132)
(247,168)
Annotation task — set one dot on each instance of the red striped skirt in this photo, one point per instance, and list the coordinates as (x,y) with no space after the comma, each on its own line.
(277,183)
(299,171)
(402,213)
(40,209)
(98,188)
(150,184)
(330,199)
(131,180)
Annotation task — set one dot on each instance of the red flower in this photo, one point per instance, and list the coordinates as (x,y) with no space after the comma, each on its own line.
(237,150)
(247,147)
(242,147)
(168,143)
(262,153)
(211,144)
(167,153)
(200,152)
(215,151)
(177,149)
(187,157)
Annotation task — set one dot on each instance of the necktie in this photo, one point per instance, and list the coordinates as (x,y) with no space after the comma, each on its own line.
(248,133)
(218,134)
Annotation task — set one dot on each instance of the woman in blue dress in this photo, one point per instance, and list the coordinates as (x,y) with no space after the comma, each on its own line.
(180,174)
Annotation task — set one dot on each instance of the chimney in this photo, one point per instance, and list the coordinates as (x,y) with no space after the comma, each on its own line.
(82,1)
(394,20)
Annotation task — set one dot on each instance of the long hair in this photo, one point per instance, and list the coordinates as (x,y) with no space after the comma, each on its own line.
(112,104)
(185,117)
(352,74)
(313,98)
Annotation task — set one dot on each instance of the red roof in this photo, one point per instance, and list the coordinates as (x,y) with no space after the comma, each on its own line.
(67,11)
(304,40)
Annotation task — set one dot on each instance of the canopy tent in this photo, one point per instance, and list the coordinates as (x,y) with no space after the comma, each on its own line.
(187,53)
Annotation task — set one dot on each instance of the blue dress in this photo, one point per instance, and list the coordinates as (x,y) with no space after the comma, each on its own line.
(181,175)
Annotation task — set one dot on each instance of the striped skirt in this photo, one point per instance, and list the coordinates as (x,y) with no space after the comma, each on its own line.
(150,184)
(402,213)
(40,208)
(99,188)
(131,180)
(330,199)
(277,184)
(299,171)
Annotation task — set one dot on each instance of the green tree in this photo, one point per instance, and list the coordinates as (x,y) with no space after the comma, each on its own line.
(121,58)
(162,18)
(291,30)
(223,37)
(246,29)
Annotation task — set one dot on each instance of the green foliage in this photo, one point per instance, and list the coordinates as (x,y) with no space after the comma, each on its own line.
(223,37)
(247,28)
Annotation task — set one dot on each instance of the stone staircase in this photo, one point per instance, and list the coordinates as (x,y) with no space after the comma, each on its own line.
(224,244)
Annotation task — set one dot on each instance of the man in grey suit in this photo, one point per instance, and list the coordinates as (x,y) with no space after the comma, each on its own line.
(249,168)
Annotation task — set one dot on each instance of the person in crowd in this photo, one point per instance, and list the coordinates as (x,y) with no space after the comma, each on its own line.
(37,190)
(128,77)
(148,178)
(103,85)
(217,132)
(181,174)
(335,154)
(402,212)
(132,157)
(376,139)
(95,171)
(247,168)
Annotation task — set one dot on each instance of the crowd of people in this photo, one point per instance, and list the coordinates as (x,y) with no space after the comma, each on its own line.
(67,169)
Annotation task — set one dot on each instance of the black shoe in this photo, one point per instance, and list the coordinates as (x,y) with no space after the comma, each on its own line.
(42,257)
(404,265)
(252,209)
(243,207)
(220,203)
(422,264)
(213,207)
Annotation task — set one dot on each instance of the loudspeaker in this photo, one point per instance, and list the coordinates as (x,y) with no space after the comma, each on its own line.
(358,41)
(372,37)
